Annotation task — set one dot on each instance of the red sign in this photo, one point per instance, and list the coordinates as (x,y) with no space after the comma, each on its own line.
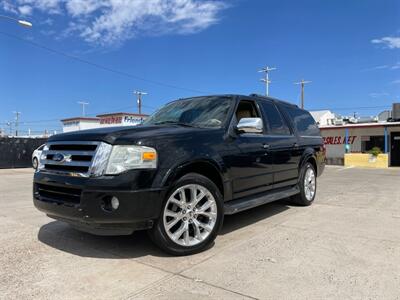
(111,120)
(338,140)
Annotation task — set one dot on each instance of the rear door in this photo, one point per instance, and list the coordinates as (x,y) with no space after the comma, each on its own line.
(282,144)
(306,130)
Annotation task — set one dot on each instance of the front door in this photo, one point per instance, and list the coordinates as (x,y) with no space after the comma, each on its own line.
(395,149)
(251,168)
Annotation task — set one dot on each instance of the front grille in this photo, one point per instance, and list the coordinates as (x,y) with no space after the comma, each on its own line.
(75,146)
(71,158)
(58,194)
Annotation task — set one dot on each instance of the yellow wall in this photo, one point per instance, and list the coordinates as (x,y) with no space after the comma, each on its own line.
(366,160)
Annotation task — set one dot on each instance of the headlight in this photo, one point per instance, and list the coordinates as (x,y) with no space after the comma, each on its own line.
(124,158)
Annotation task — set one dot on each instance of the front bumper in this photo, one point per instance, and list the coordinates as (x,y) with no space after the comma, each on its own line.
(80,201)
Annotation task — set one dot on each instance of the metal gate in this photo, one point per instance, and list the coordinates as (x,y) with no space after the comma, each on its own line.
(17,152)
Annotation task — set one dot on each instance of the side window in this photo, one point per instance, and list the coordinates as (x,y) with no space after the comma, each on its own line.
(277,126)
(246,109)
(303,121)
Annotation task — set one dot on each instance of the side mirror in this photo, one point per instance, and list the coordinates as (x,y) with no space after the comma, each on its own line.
(250,125)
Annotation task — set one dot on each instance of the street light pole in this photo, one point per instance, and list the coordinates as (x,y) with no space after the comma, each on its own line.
(20,22)
(139,99)
(266,80)
(302,83)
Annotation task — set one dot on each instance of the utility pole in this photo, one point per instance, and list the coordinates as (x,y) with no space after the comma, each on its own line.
(266,80)
(139,95)
(83,106)
(302,83)
(17,114)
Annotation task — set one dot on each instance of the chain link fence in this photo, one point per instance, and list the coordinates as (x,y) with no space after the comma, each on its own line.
(17,152)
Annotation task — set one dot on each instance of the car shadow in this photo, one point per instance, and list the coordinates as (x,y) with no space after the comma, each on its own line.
(252,216)
(61,236)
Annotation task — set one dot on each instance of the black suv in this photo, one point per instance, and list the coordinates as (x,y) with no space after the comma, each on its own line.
(190,163)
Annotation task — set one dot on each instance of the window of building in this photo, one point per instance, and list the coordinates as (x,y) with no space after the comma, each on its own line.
(369,142)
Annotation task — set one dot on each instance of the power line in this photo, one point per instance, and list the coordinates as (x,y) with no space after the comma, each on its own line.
(354,107)
(96,65)
(26,123)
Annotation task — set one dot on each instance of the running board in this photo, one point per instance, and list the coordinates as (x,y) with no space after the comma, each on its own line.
(238,205)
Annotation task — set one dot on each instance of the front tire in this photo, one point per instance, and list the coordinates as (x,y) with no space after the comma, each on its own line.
(191,216)
(307,185)
(35,163)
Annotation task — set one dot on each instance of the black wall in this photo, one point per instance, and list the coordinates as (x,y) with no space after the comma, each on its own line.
(17,152)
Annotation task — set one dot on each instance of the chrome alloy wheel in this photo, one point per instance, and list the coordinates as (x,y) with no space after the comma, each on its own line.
(190,215)
(309,184)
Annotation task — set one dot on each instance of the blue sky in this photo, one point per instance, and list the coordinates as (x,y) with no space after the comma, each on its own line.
(348,48)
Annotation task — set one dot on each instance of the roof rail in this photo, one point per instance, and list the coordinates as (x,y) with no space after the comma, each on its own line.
(257,95)
(273,99)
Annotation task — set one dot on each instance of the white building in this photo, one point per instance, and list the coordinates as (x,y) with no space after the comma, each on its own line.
(104,120)
(80,123)
(360,138)
(323,117)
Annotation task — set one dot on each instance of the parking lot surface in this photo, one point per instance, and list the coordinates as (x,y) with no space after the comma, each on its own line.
(346,245)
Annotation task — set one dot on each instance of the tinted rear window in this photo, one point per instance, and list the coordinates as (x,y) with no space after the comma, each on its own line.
(303,121)
(277,125)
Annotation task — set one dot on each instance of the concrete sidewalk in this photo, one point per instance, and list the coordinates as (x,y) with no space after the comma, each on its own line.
(347,245)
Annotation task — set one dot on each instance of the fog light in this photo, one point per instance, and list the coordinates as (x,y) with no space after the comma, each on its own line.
(114,203)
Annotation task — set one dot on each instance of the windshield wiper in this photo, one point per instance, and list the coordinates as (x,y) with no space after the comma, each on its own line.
(175,123)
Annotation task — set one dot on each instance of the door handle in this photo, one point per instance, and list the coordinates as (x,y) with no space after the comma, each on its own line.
(295,145)
(265,146)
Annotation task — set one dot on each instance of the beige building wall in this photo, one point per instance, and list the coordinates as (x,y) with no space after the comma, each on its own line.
(334,139)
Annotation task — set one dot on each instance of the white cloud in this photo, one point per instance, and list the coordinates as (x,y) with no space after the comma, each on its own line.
(9,7)
(397,81)
(395,66)
(79,7)
(390,42)
(385,67)
(111,22)
(25,9)
(47,6)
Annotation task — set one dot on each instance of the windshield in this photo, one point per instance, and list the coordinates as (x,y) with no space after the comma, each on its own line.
(197,112)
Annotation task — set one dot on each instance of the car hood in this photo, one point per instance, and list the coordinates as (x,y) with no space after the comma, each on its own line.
(125,134)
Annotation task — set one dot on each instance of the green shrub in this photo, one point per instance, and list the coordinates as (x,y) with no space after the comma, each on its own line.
(375,151)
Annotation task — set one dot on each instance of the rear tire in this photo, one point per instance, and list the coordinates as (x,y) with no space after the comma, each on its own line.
(307,185)
(191,216)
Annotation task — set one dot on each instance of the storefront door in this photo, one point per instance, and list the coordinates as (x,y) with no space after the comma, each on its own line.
(395,149)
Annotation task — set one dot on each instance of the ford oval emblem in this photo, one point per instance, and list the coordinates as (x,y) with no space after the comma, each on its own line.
(58,157)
